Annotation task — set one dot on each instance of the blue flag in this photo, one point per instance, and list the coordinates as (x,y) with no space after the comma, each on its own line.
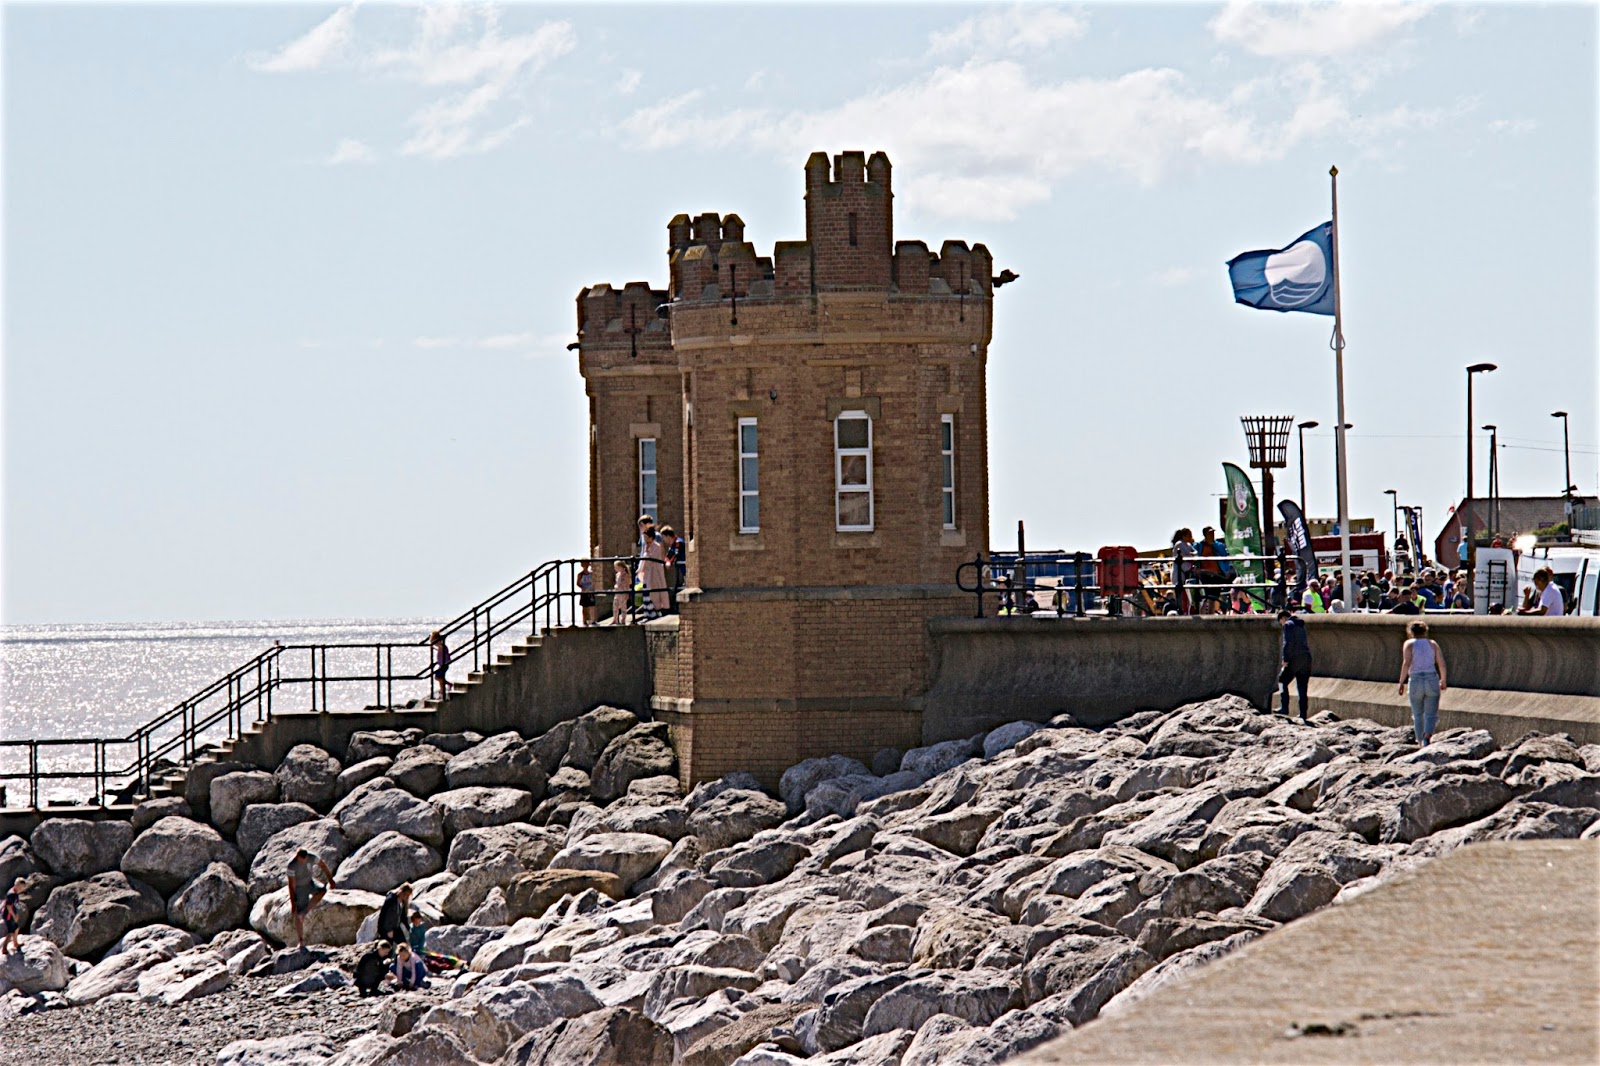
(1296,278)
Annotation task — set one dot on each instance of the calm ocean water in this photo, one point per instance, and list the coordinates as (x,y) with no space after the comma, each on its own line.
(105,679)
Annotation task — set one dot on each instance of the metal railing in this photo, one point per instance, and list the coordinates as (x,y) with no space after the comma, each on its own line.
(1165,585)
(308,677)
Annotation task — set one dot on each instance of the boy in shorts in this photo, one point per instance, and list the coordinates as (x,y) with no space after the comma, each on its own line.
(305,890)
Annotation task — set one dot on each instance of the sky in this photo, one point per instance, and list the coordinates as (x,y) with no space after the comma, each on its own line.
(287,288)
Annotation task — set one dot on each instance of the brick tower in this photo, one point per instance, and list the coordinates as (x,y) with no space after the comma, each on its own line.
(831,434)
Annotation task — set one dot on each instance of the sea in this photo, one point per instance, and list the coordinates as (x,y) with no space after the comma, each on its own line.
(100,679)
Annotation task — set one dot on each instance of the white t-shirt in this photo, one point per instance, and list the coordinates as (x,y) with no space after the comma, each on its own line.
(1550,600)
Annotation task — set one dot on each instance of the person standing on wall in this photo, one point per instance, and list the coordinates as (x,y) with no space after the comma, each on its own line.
(652,568)
(1422,667)
(585,584)
(1294,660)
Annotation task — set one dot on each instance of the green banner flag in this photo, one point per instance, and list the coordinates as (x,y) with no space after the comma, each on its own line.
(1243,522)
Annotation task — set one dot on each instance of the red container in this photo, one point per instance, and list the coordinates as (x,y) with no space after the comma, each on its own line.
(1118,569)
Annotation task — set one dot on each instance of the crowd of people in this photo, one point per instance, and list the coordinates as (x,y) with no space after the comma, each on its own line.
(398,958)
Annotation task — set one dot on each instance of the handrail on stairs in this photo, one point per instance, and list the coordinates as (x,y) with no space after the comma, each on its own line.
(545,597)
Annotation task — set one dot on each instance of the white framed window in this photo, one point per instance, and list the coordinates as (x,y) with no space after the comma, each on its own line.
(749,486)
(648,501)
(852,471)
(947,460)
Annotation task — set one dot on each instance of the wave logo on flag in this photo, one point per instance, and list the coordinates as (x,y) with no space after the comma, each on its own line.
(1296,278)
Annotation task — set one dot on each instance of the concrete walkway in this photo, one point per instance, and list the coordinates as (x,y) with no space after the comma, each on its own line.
(1489,954)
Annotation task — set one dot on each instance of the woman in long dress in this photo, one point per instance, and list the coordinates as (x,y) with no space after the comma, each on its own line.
(652,567)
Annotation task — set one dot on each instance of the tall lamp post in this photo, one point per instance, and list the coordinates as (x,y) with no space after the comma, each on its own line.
(1494,478)
(1302,427)
(1466,515)
(1394,503)
(1566,451)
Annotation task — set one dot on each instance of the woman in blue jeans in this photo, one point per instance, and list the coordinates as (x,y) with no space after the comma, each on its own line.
(1422,666)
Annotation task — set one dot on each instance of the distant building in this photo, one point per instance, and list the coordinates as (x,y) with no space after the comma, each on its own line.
(814,422)
(1511,516)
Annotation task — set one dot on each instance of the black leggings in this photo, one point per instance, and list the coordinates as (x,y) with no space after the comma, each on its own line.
(1297,670)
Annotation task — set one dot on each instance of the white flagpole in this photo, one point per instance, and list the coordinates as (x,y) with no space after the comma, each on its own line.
(1343,461)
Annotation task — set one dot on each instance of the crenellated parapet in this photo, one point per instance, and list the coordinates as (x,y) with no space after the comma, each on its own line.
(623,326)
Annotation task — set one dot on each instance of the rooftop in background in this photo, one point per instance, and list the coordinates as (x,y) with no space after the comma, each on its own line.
(1512,515)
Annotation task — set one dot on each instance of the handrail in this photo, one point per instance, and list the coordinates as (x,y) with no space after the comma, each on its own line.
(542,598)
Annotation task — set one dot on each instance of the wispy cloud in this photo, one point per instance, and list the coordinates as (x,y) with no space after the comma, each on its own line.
(1021,28)
(628,82)
(985,139)
(526,343)
(323,45)
(351,150)
(1173,276)
(1513,127)
(1312,29)
(984,136)
(464,50)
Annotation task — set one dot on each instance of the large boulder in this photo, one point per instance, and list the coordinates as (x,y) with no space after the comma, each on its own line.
(615,1036)
(197,972)
(550,747)
(351,777)
(978,995)
(529,895)
(296,1049)
(197,784)
(935,759)
(592,732)
(643,752)
(503,760)
(533,846)
(627,855)
(172,851)
(382,806)
(837,1022)
(477,806)
(453,743)
(1003,738)
(419,770)
(215,900)
(804,776)
(336,920)
(38,967)
(1291,889)
(1082,973)
(120,973)
(86,917)
(387,861)
(262,821)
(16,860)
(308,775)
(169,937)
(152,811)
(734,816)
(727,1042)
(370,743)
(73,848)
(270,868)
(232,793)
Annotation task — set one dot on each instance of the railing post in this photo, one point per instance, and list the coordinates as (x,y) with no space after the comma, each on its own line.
(377,674)
(33,774)
(475,638)
(1077,575)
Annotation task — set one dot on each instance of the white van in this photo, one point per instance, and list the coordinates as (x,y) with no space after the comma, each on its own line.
(1577,571)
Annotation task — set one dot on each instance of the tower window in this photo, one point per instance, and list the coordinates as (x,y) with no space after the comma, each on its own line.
(852,465)
(852,229)
(947,459)
(648,502)
(749,493)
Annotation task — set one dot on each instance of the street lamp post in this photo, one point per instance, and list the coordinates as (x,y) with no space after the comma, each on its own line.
(1466,515)
(1494,478)
(1566,451)
(1302,427)
(1394,503)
